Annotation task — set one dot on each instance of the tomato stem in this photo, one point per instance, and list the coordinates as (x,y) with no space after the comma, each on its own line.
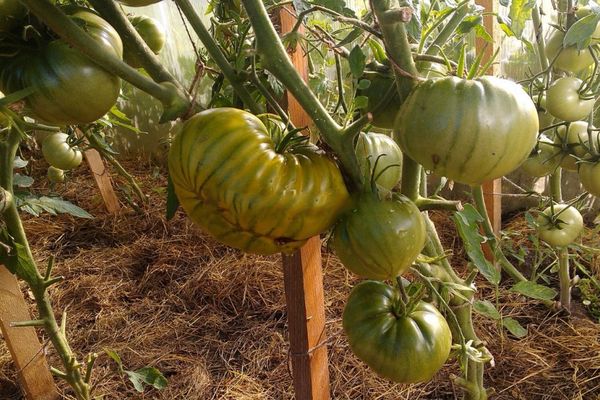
(564,276)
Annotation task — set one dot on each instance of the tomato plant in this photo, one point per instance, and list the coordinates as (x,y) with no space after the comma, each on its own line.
(153,34)
(231,181)
(468,130)
(379,157)
(560,225)
(574,141)
(383,113)
(544,159)
(567,58)
(138,3)
(59,153)
(564,101)
(399,344)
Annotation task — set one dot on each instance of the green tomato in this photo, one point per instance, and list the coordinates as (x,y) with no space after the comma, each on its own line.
(11,11)
(380,151)
(383,114)
(575,143)
(470,131)
(59,153)
(71,89)
(561,228)
(544,117)
(400,346)
(589,175)
(564,102)
(230,181)
(544,159)
(138,3)
(55,175)
(153,34)
(379,239)
(567,58)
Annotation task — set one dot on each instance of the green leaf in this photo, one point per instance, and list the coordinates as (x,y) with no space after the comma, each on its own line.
(486,308)
(148,375)
(534,290)
(363,84)
(172,200)
(378,51)
(351,37)
(52,205)
(16,96)
(467,224)
(361,102)
(116,358)
(580,33)
(357,60)
(505,26)
(22,181)
(19,163)
(338,6)
(519,14)
(469,23)
(514,327)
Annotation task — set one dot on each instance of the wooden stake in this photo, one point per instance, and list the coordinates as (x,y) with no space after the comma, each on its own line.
(303,279)
(23,343)
(103,180)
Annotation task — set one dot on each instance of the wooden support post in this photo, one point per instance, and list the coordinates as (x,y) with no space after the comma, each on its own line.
(103,180)
(303,279)
(23,343)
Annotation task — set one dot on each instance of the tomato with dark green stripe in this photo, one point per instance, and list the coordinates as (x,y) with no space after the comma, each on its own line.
(379,157)
(400,344)
(230,181)
(469,130)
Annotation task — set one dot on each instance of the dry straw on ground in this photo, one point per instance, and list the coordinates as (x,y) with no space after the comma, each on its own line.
(214,321)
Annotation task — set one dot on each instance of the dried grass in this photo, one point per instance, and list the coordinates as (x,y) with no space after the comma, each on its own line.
(213,320)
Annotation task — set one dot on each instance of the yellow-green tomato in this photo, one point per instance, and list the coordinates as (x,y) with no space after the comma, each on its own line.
(55,175)
(153,34)
(575,143)
(589,175)
(405,346)
(379,239)
(544,159)
(567,58)
(59,153)
(561,228)
(379,157)
(230,180)
(564,101)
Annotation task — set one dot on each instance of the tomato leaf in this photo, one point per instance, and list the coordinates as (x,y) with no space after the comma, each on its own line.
(53,205)
(467,223)
(116,358)
(514,327)
(486,308)
(580,33)
(363,84)
(534,290)
(338,6)
(19,163)
(351,37)
(357,60)
(361,102)
(519,14)
(469,23)
(148,375)
(172,200)
(22,181)
(378,51)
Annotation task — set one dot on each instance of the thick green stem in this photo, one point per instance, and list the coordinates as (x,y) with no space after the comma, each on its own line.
(556,185)
(174,101)
(539,37)
(218,57)
(411,178)
(507,266)
(564,276)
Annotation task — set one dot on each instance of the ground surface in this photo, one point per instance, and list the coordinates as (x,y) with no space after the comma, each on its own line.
(214,321)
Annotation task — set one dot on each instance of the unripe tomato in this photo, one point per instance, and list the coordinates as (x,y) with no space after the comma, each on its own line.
(405,346)
(589,175)
(544,159)
(11,11)
(55,175)
(575,143)
(379,239)
(138,3)
(562,228)
(59,153)
(153,34)
(380,151)
(544,117)
(567,59)
(380,84)
(564,102)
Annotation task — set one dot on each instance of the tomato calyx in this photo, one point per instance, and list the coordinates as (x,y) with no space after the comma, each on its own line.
(408,298)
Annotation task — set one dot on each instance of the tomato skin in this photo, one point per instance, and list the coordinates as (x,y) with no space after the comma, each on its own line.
(545,158)
(566,230)
(563,101)
(470,131)
(55,175)
(574,141)
(10,13)
(379,239)
(404,349)
(378,148)
(58,153)
(138,3)
(570,59)
(153,34)
(589,175)
(71,89)
(232,183)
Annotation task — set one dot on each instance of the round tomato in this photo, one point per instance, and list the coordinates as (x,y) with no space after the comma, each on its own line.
(381,83)
(589,175)
(574,141)
(544,159)
(59,153)
(567,58)
(562,227)
(405,346)
(138,3)
(231,182)
(380,151)
(564,102)
(153,34)
(11,11)
(379,239)
(71,89)
(55,175)
(467,130)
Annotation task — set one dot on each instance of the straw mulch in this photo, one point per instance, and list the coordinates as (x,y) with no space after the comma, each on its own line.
(213,320)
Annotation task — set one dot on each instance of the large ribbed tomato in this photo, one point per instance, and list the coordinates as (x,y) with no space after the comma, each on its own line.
(153,34)
(467,130)
(379,239)
(231,181)
(59,153)
(403,346)
(71,88)
(379,151)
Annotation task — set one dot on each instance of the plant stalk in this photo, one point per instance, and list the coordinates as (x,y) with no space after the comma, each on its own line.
(564,276)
